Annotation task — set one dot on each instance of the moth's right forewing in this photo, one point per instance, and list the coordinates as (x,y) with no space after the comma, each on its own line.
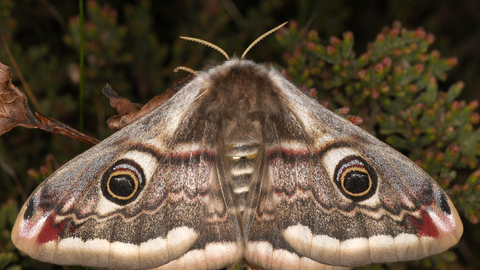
(395,212)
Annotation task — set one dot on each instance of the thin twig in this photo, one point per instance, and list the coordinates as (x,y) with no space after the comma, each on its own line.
(14,176)
(20,76)
(232,10)
(82,51)
(54,11)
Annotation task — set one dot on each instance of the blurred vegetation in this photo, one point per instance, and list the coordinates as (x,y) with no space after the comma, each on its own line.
(351,53)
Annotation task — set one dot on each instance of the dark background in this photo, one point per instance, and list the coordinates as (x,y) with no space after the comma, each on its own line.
(134,46)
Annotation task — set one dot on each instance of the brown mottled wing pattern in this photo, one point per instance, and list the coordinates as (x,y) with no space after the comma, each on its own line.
(331,192)
(151,194)
(238,164)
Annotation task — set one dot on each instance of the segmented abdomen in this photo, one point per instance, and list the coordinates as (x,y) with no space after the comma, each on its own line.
(242,158)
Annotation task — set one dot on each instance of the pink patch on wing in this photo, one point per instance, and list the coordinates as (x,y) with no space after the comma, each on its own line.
(425,226)
(51,230)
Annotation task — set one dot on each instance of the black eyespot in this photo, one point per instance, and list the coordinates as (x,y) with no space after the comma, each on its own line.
(123,182)
(355,178)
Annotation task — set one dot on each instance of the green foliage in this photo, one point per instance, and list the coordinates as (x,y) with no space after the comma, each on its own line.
(8,254)
(395,85)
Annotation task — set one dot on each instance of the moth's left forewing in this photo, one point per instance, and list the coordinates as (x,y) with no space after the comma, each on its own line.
(179,212)
(342,197)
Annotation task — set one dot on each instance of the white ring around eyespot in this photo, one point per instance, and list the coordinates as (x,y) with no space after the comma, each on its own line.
(146,161)
(334,156)
(330,160)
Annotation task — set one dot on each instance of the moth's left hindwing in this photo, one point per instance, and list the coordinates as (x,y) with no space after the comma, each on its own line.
(154,192)
(238,164)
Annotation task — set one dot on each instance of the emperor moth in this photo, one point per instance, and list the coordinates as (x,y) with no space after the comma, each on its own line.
(238,164)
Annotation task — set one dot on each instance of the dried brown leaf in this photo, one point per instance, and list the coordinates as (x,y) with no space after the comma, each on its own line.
(128,112)
(14,111)
(121,104)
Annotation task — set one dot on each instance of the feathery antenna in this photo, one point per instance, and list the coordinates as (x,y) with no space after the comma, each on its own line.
(211,45)
(187,69)
(261,37)
(206,43)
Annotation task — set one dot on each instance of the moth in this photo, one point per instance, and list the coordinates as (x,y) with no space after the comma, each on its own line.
(237,165)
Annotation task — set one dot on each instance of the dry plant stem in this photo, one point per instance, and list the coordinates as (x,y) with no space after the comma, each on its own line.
(16,181)
(20,76)
(232,9)
(55,126)
(56,14)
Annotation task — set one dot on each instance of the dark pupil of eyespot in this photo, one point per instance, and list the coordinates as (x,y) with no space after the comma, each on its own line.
(356,182)
(122,185)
